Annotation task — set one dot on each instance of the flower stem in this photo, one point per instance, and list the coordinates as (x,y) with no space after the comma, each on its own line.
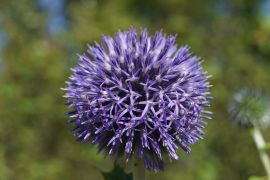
(138,169)
(260,143)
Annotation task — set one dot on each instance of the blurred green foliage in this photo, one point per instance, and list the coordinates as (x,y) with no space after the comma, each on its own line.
(35,139)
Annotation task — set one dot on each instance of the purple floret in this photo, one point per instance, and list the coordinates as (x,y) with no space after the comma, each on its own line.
(139,95)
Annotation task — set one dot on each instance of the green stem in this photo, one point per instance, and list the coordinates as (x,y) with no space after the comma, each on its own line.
(260,143)
(138,169)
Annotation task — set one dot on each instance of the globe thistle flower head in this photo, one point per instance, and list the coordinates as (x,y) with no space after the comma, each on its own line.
(139,95)
(249,108)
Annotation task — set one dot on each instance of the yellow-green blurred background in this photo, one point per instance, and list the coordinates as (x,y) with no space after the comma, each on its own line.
(39,42)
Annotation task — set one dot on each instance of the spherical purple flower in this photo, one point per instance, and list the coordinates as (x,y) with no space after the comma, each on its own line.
(139,95)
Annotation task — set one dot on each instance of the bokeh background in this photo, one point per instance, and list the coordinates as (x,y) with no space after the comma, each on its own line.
(39,42)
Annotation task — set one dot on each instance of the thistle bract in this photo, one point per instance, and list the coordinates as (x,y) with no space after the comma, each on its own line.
(139,95)
(249,108)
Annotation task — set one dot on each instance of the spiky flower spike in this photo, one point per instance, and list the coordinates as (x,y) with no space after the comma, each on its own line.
(249,108)
(139,94)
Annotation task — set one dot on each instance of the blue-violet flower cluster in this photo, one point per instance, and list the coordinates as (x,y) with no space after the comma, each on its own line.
(139,95)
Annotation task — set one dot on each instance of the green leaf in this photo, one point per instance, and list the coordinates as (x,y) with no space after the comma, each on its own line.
(117,173)
(257,178)
(267,146)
